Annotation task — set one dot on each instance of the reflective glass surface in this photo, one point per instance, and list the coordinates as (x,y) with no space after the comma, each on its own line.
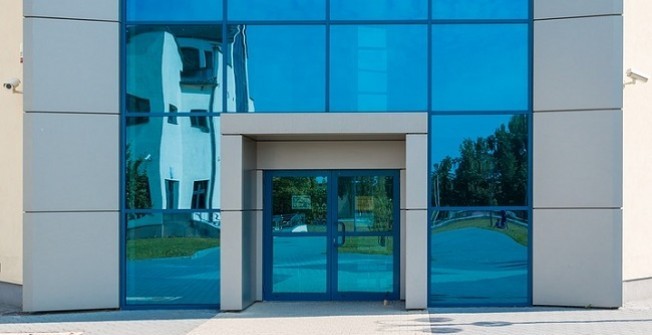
(172,164)
(365,204)
(299,264)
(174,10)
(173,258)
(479,257)
(366,264)
(176,66)
(480,67)
(299,204)
(285,68)
(277,9)
(378,68)
(479,160)
(379,9)
(480,9)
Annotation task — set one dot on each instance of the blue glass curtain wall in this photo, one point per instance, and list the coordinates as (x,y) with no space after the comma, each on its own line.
(479,219)
(467,63)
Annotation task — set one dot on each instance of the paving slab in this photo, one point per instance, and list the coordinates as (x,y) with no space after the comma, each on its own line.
(335,318)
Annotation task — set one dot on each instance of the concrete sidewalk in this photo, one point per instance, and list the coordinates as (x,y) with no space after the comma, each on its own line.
(332,318)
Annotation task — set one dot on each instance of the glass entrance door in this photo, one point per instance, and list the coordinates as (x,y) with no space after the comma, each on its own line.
(331,235)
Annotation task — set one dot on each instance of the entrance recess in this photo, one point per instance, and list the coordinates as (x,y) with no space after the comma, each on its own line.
(331,235)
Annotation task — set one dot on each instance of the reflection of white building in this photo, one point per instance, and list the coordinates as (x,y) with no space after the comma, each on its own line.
(180,155)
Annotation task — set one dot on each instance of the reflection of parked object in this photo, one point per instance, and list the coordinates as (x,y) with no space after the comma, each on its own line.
(283,221)
(502,222)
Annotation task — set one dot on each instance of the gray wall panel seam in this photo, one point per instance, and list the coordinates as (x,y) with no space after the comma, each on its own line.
(72,211)
(70,19)
(74,113)
(578,110)
(575,17)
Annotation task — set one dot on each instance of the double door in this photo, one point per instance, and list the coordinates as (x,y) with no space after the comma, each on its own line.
(331,235)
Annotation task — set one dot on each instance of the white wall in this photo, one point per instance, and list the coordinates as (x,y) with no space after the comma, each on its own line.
(637,158)
(11,157)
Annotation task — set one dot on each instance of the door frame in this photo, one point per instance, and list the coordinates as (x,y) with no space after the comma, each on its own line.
(331,233)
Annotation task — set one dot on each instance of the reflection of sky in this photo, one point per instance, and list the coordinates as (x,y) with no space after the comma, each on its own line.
(286,67)
(198,10)
(379,68)
(174,10)
(480,9)
(277,9)
(480,67)
(379,9)
(448,132)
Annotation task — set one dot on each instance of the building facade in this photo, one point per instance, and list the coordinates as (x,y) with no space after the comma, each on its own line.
(214,153)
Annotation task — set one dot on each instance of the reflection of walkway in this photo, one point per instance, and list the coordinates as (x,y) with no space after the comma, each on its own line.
(478,266)
(177,280)
(300,265)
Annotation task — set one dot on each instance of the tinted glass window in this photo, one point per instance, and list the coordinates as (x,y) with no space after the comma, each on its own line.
(173,258)
(479,160)
(277,10)
(174,10)
(480,67)
(283,68)
(480,9)
(479,257)
(379,9)
(168,65)
(378,68)
(158,151)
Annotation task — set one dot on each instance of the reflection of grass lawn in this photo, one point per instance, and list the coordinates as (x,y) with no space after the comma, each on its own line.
(369,245)
(168,247)
(516,232)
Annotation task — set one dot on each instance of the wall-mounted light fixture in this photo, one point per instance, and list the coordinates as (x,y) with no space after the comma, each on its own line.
(635,75)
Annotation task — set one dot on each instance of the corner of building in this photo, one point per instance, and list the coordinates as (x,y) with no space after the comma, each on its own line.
(637,160)
(11,140)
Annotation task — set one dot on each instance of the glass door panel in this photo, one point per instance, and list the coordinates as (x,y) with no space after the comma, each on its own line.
(365,251)
(331,235)
(299,234)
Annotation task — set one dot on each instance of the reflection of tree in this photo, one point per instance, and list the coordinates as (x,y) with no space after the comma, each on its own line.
(138,195)
(489,171)
(285,187)
(383,209)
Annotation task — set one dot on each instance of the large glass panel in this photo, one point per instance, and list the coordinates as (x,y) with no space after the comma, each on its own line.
(480,9)
(479,257)
(173,258)
(283,68)
(165,160)
(479,160)
(379,9)
(299,264)
(299,204)
(277,9)
(173,66)
(480,67)
(174,10)
(378,68)
(366,264)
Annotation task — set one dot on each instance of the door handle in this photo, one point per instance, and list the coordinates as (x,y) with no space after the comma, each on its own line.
(341,224)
